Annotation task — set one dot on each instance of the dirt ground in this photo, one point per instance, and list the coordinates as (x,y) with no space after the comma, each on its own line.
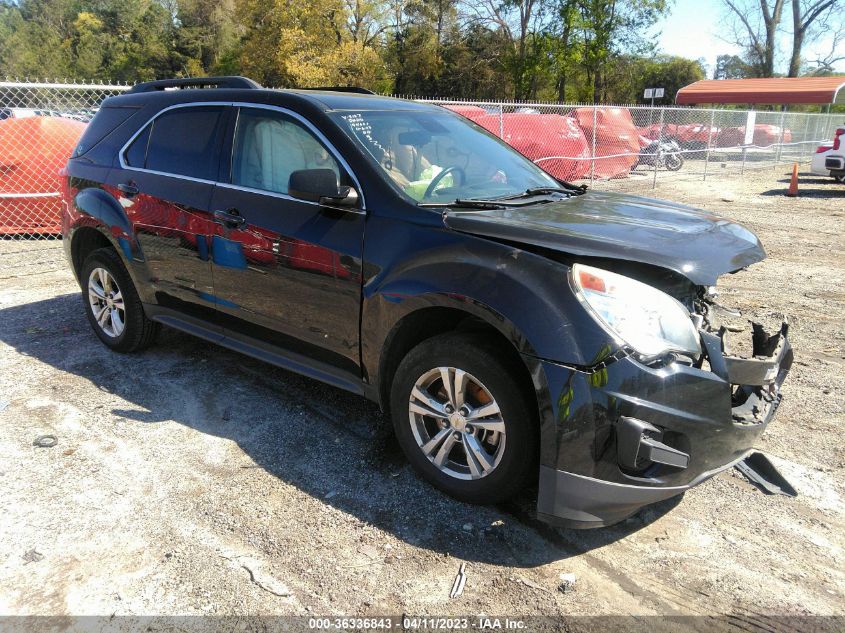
(192,480)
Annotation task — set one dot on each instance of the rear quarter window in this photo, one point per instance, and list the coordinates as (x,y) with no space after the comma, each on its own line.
(104,122)
(136,153)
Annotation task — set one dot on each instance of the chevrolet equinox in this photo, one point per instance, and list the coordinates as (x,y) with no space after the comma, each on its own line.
(518,329)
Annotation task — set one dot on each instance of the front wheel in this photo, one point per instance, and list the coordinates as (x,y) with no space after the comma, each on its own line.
(112,304)
(674,162)
(462,419)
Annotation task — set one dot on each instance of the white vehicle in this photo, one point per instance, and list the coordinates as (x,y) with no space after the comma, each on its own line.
(25,113)
(829,160)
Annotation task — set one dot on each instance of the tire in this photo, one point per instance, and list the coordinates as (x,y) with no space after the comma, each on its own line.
(509,441)
(105,282)
(840,179)
(674,162)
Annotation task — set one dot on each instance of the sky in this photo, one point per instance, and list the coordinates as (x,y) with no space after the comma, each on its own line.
(694,27)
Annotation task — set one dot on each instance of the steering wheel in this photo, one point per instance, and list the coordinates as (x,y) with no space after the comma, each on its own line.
(436,180)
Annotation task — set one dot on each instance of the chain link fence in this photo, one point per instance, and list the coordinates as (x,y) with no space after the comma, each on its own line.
(596,143)
(40,123)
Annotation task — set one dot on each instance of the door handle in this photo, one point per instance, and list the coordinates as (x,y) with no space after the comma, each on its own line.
(129,189)
(230,218)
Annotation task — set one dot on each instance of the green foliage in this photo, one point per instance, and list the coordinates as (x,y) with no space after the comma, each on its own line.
(732,67)
(505,49)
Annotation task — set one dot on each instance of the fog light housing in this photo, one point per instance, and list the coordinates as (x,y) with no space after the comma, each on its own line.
(638,446)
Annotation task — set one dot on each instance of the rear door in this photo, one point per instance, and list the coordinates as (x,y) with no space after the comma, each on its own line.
(289,275)
(165,184)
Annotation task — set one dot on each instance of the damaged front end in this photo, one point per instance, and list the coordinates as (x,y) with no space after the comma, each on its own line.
(639,430)
(756,380)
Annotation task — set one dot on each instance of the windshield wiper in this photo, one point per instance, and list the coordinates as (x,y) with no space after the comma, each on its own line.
(543,191)
(512,200)
(467,204)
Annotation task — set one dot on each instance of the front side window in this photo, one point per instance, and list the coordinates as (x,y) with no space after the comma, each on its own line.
(435,157)
(270,146)
(186,142)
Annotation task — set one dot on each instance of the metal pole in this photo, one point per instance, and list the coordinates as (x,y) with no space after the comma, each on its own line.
(659,143)
(709,142)
(780,143)
(804,138)
(593,166)
(501,121)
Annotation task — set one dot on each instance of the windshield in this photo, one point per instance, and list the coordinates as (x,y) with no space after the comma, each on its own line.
(441,157)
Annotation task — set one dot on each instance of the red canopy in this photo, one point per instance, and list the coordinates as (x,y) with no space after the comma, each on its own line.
(778,90)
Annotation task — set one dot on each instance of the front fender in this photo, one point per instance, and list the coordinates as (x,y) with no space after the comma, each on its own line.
(525,296)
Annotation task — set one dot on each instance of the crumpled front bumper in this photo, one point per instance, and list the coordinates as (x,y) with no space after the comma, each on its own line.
(628,435)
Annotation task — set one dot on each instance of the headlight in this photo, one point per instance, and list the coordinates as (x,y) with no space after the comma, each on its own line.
(646,319)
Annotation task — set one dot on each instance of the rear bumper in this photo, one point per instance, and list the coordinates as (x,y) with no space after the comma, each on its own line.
(835,164)
(631,435)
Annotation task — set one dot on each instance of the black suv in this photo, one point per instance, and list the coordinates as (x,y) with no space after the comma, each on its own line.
(513,325)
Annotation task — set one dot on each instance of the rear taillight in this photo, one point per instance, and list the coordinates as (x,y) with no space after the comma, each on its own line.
(824,148)
(838,137)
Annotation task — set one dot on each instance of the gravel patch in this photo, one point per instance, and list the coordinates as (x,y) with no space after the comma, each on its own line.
(191,480)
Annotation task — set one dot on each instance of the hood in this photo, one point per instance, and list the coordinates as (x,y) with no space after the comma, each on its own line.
(694,243)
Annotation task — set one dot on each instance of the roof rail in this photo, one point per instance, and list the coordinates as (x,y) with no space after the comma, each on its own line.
(355,89)
(194,82)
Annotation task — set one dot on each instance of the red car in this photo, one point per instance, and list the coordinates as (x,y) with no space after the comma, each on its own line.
(764,136)
(32,151)
(615,137)
(688,135)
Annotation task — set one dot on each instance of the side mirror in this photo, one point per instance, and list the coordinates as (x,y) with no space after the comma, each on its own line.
(320,185)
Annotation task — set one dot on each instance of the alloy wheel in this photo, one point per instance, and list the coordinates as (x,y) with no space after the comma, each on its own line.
(457,423)
(106,301)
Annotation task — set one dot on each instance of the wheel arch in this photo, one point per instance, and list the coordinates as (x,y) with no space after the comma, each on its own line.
(84,241)
(98,221)
(427,321)
(437,315)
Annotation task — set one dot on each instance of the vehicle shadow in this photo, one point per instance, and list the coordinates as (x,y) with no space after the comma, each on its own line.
(333,445)
(833,192)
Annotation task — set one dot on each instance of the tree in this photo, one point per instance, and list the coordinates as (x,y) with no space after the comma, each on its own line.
(630,75)
(313,44)
(518,21)
(824,64)
(423,32)
(805,14)
(756,23)
(670,73)
(732,67)
(610,27)
(493,49)
(564,54)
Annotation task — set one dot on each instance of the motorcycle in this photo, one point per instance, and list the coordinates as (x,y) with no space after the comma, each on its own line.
(662,153)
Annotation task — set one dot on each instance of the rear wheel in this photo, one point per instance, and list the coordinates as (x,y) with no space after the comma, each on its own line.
(112,304)
(840,179)
(462,419)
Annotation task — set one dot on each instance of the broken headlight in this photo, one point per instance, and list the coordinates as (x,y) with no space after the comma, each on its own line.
(634,313)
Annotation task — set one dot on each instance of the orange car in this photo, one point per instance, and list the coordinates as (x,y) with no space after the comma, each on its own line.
(32,151)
